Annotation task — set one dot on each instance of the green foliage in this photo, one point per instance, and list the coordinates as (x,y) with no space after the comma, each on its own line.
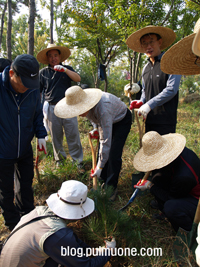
(189,84)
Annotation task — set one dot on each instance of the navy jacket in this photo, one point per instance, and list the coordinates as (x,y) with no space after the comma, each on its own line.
(19,122)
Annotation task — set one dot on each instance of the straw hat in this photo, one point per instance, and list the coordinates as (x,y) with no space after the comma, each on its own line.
(180,59)
(196,42)
(77,101)
(71,201)
(168,37)
(158,151)
(42,55)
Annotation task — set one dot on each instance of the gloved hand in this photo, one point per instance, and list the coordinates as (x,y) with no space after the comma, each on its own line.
(96,172)
(144,185)
(94,134)
(135,104)
(110,244)
(60,68)
(144,110)
(42,145)
(135,88)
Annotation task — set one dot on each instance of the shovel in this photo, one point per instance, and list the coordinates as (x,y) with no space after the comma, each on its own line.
(36,162)
(94,158)
(185,243)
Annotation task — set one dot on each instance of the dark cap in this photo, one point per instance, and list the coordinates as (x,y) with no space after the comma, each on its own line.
(27,67)
(4,62)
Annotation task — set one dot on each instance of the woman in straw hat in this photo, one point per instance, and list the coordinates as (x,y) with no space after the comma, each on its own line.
(54,80)
(175,176)
(114,122)
(159,97)
(48,241)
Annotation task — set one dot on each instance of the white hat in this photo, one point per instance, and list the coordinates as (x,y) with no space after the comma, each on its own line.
(71,201)
(77,101)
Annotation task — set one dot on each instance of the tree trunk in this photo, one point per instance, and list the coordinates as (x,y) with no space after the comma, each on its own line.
(9,28)
(31,27)
(2,22)
(51,24)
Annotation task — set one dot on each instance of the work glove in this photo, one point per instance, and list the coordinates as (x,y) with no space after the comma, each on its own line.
(42,145)
(144,185)
(136,104)
(144,110)
(94,134)
(96,172)
(60,68)
(135,88)
(110,244)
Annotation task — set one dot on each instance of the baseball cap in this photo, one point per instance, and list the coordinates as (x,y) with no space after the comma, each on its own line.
(27,67)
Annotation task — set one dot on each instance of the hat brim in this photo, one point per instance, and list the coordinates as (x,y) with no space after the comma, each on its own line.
(180,59)
(168,37)
(64,54)
(172,148)
(63,110)
(70,211)
(196,44)
(31,83)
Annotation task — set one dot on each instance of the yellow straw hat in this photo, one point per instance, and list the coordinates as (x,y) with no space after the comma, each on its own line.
(180,59)
(64,53)
(77,101)
(158,150)
(168,37)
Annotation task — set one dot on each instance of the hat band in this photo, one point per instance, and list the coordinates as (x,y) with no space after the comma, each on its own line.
(71,203)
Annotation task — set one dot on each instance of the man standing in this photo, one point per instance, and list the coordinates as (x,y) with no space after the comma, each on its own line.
(20,119)
(54,80)
(159,97)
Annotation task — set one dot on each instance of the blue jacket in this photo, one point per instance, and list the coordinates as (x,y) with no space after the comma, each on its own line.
(18,122)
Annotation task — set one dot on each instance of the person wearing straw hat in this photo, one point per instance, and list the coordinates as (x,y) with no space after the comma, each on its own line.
(46,240)
(175,180)
(54,80)
(114,123)
(159,97)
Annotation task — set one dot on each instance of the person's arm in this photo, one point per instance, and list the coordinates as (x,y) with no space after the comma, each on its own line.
(70,72)
(59,245)
(167,93)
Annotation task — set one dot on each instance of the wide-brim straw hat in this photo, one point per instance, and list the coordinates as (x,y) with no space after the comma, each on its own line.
(168,37)
(158,150)
(71,201)
(196,41)
(77,101)
(180,59)
(64,53)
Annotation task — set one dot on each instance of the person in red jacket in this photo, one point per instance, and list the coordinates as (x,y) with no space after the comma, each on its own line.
(175,176)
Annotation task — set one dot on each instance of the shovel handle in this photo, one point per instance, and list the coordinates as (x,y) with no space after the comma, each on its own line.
(140,126)
(94,161)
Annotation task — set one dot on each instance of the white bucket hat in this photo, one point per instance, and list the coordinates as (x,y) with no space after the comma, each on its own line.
(158,150)
(77,101)
(64,53)
(71,201)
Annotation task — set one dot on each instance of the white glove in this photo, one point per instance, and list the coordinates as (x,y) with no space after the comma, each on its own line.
(144,110)
(110,244)
(42,145)
(60,68)
(133,90)
(144,185)
(97,172)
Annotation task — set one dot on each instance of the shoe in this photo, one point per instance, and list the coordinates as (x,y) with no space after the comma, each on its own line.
(113,196)
(154,204)
(159,216)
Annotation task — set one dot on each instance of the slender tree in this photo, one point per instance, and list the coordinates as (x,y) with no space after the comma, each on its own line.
(2,21)
(51,24)
(31,27)
(9,28)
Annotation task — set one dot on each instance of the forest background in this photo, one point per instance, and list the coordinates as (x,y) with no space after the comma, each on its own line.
(95,32)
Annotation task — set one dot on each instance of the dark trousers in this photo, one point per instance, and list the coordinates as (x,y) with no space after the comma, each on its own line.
(120,131)
(161,128)
(16,194)
(179,211)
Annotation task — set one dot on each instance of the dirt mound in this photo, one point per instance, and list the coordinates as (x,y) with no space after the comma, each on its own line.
(191,98)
